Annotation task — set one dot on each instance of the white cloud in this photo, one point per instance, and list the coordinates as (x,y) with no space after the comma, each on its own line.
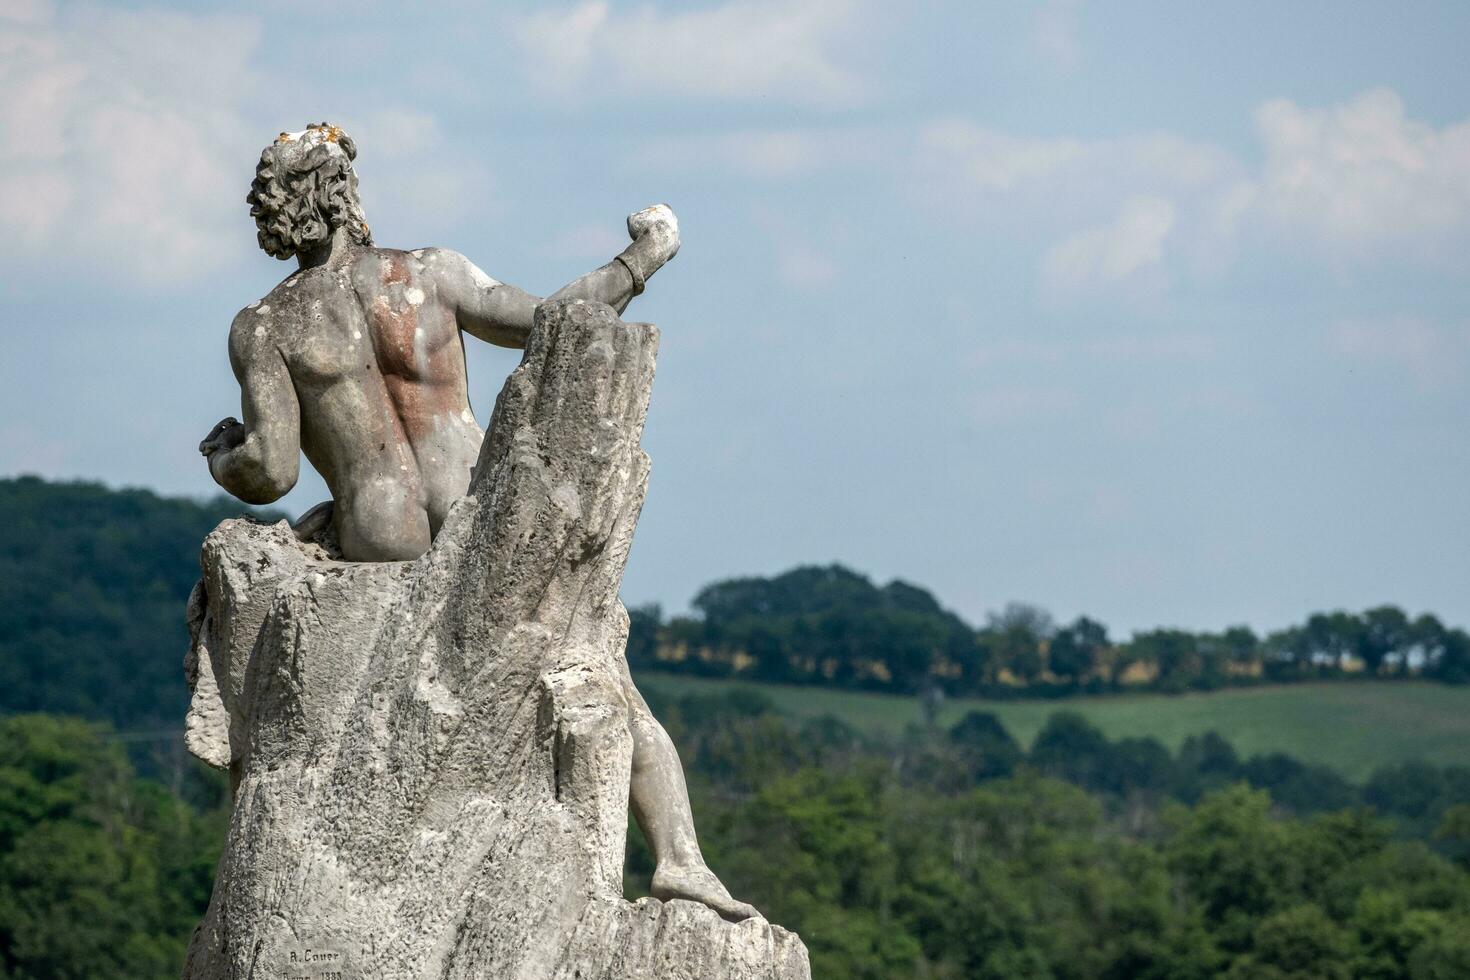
(1344,181)
(106,155)
(1110,204)
(741,50)
(1363,174)
(1353,175)
(966,160)
(1432,354)
(31,203)
(128,140)
(988,160)
(1349,181)
(25,11)
(1131,244)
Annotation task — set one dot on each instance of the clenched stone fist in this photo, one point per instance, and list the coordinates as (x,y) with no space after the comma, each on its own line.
(655,234)
(658,221)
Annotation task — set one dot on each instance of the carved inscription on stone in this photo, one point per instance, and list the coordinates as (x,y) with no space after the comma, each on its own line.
(316,963)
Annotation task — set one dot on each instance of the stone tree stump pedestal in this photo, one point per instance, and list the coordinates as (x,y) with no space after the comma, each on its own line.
(431,758)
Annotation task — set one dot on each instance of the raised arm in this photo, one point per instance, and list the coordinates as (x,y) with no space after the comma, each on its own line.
(257,460)
(501,314)
(495,312)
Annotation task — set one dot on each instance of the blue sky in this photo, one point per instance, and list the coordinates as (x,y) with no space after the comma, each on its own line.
(1154,311)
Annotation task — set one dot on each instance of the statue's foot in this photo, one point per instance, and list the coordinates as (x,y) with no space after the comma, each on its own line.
(699,884)
(313,522)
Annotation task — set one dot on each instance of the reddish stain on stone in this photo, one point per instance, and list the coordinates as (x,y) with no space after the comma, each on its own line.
(413,354)
(395,269)
(394,329)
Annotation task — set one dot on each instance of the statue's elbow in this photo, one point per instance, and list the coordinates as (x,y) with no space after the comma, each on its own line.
(262,493)
(256,481)
(275,483)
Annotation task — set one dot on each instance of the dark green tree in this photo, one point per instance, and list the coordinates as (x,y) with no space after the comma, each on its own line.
(983,748)
(1070,747)
(92,590)
(1017,635)
(1073,651)
(1385,635)
(101,874)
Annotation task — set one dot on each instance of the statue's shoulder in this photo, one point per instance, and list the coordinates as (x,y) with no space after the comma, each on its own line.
(282,302)
(374,266)
(254,317)
(253,330)
(448,267)
(431,254)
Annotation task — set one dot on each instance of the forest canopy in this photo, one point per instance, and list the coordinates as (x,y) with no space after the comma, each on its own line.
(830,625)
(93,582)
(938,852)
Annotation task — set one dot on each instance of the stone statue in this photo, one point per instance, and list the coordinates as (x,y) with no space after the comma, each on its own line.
(451,575)
(357,359)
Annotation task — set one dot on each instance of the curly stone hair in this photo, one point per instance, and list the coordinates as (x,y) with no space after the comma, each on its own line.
(304,189)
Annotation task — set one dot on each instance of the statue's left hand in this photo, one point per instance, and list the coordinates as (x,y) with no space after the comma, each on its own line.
(226,435)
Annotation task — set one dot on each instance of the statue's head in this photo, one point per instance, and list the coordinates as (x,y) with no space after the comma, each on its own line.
(304,190)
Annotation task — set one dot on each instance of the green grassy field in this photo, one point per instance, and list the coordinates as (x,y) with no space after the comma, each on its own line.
(1354,727)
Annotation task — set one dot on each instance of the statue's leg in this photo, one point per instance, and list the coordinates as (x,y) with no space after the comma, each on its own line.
(660,801)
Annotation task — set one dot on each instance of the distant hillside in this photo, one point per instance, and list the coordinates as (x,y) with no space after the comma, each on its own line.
(93,583)
(833,627)
(1353,728)
(92,589)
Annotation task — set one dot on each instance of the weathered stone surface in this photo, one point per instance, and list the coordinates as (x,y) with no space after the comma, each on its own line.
(432,757)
